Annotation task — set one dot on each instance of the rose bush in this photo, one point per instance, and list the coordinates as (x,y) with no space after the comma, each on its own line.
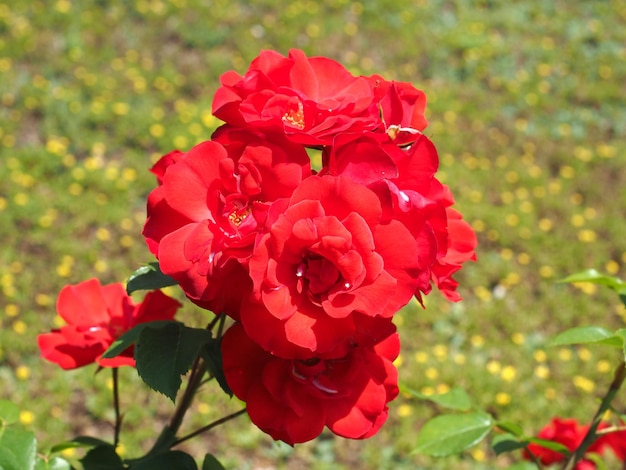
(309,265)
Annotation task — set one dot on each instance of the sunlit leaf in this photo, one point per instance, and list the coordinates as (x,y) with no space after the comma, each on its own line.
(456,398)
(587,335)
(510,428)
(18,449)
(451,434)
(9,412)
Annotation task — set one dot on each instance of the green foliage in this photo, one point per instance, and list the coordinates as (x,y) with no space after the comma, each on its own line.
(167,461)
(148,277)
(211,463)
(18,446)
(455,398)
(526,107)
(451,434)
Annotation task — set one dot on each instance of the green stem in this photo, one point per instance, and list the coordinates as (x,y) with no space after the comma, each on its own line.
(591,436)
(116,407)
(210,426)
(195,379)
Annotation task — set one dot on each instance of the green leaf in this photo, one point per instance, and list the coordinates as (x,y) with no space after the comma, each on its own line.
(552,445)
(211,463)
(165,353)
(130,337)
(452,434)
(212,355)
(9,412)
(593,276)
(174,459)
(586,335)
(148,277)
(507,443)
(621,333)
(510,428)
(102,458)
(456,398)
(18,449)
(55,463)
(80,441)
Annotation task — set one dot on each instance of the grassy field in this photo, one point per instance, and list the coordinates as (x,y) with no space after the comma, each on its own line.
(526,107)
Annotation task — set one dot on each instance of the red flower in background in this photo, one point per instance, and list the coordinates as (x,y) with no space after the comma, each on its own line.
(212,202)
(569,433)
(292,400)
(325,261)
(96,316)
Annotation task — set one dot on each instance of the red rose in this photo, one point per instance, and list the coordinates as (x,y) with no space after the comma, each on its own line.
(96,316)
(404,181)
(402,108)
(310,100)
(292,400)
(212,202)
(564,431)
(616,441)
(325,262)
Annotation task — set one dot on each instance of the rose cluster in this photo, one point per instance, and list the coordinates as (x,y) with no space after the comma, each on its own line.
(570,433)
(311,262)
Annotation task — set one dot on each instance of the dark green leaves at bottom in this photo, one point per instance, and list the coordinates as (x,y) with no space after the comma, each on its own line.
(102,458)
(452,434)
(172,460)
(211,463)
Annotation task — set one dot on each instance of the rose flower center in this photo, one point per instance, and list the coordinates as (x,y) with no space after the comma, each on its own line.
(294,116)
(317,275)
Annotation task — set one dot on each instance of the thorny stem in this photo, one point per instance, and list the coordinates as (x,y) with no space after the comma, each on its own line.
(618,379)
(210,426)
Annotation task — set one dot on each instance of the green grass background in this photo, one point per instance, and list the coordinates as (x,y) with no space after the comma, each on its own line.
(526,107)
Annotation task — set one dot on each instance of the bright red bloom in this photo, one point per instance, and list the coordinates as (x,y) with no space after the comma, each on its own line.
(404,181)
(564,431)
(308,99)
(212,202)
(96,316)
(325,262)
(402,108)
(292,400)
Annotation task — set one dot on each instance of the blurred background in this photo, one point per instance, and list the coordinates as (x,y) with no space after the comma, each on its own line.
(527,110)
